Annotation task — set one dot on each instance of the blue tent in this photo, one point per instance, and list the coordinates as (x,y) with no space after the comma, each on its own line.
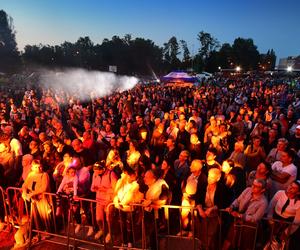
(179,77)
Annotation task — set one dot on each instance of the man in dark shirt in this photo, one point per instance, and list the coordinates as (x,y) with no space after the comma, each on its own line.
(84,154)
(172,153)
(183,137)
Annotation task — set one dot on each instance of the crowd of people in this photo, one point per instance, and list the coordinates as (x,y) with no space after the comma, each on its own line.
(231,146)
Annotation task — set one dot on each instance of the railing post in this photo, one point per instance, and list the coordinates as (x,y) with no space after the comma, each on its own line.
(132,225)
(30,226)
(144,242)
(155,213)
(69,225)
(220,228)
(3,194)
(193,211)
(13,194)
(167,215)
(255,236)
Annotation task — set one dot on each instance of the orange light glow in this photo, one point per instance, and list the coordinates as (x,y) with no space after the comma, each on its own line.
(144,135)
(133,158)
(194,139)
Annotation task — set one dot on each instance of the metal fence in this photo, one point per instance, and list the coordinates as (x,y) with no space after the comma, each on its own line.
(150,227)
(4,218)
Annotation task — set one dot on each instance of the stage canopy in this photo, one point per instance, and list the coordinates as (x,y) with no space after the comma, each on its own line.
(178,77)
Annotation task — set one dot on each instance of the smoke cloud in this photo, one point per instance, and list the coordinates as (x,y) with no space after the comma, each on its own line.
(82,83)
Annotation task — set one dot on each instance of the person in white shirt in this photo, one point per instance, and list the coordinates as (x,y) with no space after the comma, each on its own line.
(158,190)
(126,193)
(15,147)
(15,144)
(26,164)
(103,183)
(10,157)
(36,183)
(156,196)
(193,190)
(284,172)
(82,191)
(285,206)
(275,153)
(68,187)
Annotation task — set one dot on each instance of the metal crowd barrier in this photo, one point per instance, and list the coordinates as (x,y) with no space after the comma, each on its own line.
(275,222)
(47,222)
(158,224)
(245,231)
(149,225)
(4,218)
(17,207)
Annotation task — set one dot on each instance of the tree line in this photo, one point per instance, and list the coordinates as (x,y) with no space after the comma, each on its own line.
(134,56)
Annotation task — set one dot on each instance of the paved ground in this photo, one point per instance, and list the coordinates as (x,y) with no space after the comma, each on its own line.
(48,246)
(55,243)
(164,244)
(6,240)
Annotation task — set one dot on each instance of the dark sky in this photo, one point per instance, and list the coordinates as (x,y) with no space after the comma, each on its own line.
(270,23)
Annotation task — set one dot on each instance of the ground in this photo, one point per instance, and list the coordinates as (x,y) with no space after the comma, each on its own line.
(6,240)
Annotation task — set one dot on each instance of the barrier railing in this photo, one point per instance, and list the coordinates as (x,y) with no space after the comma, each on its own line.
(18,208)
(4,218)
(85,212)
(46,224)
(258,235)
(160,222)
(148,226)
(282,225)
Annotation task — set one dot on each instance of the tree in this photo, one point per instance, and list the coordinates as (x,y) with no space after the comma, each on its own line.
(186,60)
(69,54)
(225,56)
(272,57)
(115,52)
(141,56)
(186,52)
(208,44)
(212,62)
(9,53)
(198,64)
(171,51)
(245,53)
(127,39)
(146,56)
(267,61)
(31,53)
(84,51)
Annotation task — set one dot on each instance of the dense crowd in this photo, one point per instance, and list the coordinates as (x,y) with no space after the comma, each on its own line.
(233,145)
